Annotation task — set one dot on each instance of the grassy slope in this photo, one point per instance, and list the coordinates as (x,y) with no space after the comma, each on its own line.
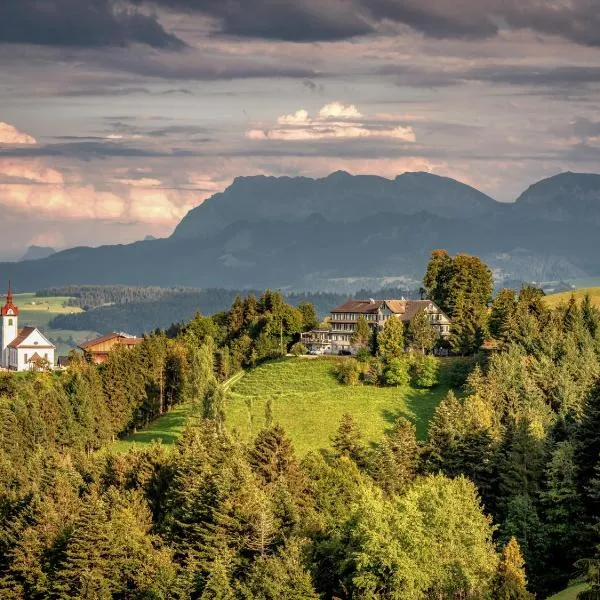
(307,401)
(570,593)
(553,300)
(38,312)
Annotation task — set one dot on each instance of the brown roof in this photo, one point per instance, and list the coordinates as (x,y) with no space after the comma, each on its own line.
(407,309)
(359,306)
(23,335)
(121,339)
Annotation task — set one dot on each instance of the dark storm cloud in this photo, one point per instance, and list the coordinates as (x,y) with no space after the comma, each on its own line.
(80,23)
(125,91)
(326,20)
(83,150)
(289,20)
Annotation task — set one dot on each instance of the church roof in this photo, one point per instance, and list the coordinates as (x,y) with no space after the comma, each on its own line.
(9,309)
(23,336)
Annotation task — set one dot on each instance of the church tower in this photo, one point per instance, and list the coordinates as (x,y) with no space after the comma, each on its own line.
(9,327)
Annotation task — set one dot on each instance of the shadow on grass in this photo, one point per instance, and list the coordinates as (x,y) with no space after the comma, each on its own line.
(420,407)
(165,429)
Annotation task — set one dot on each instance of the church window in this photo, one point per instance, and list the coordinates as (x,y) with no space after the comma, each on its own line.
(10,322)
(25,357)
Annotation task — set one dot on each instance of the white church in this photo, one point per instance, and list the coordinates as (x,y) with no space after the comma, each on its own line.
(23,349)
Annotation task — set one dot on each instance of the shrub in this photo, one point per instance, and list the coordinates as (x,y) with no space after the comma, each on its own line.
(425,371)
(298,349)
(374,374)
(363,355)
(396,372)
(348,371)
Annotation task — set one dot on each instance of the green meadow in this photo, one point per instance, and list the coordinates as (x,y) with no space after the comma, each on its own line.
(307,401)
(38,312)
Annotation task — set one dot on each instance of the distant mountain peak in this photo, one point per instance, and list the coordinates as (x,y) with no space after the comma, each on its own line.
(37,252)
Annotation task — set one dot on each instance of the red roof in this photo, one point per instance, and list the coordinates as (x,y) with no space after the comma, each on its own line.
(23,335)
(9,305)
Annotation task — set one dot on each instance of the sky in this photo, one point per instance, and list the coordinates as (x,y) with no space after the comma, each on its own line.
(119,116)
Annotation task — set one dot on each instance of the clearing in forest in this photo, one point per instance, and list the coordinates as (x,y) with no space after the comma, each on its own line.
(308,402)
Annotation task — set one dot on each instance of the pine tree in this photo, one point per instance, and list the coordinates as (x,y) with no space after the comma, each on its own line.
(395,461)
(272,456)
(503,315)
(591,315)
(511,582)
(348,441)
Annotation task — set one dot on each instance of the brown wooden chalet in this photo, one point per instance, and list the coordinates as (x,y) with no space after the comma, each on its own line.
(99,349)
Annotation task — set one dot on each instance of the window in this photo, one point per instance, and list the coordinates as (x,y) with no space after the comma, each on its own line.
(25,357)
(10,322)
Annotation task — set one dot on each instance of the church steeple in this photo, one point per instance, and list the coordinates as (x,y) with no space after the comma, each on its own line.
(9,309)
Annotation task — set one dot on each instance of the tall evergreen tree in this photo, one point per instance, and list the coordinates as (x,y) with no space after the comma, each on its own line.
(391,339)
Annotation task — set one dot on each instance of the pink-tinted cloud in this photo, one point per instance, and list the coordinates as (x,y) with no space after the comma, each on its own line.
(9,134)
(334,121)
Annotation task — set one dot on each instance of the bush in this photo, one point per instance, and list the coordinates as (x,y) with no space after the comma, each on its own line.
(396,372)
(374,374)
(298,349)
(363,355)
(348,372)
(425,371)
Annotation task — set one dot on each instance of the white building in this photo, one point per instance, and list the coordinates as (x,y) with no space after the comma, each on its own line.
(25,349)
(344,319)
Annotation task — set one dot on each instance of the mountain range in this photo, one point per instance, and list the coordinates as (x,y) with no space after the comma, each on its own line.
(343,232)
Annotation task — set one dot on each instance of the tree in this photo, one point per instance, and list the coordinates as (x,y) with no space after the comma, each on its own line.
(309,315)
(503,315)
(591,315)
(462,287)
(391,339)
(348,441)
(425,371)
(396,372)
(395,461)
(511,582)
(421,335)
(362,333)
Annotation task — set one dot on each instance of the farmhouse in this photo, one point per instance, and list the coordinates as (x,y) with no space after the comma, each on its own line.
(344,318)
(25,349)
(98,350)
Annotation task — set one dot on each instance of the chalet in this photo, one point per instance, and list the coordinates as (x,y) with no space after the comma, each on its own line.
(343,320)
(22,349)
(97,350)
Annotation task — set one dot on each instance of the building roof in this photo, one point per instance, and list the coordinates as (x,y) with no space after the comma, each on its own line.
(23,335)
(406,309)
(120,338)
(9,307)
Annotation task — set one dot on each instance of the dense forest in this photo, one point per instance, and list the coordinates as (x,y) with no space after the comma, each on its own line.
(141,310)
(500,501)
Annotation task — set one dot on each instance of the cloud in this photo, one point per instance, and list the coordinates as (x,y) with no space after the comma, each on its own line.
(81,23)
(33,187)
(334,121)
(288,20)
(10,135)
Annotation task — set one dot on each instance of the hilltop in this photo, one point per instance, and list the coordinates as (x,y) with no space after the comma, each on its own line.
(555,300)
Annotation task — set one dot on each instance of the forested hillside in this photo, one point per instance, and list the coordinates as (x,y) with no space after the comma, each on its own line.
(141,310)
(500,500)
